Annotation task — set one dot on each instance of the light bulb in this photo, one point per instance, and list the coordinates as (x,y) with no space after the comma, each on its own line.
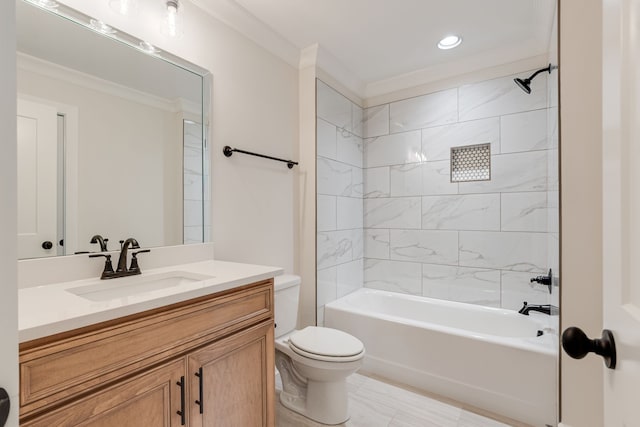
(148,47)
(123,7)
(101,27)
(172,20)
(48,4)
(172,25)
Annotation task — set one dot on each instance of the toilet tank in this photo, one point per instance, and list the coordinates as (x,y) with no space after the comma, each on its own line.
(287,294)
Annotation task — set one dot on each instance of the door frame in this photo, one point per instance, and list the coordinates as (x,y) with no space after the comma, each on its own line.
(580,251)
(8,211)
(581,58)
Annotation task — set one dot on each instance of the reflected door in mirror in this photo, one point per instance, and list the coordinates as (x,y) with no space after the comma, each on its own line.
(37,157)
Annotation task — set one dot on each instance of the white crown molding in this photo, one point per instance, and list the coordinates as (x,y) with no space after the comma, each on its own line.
(445,70)
(69,75)
(186,106)
(485,66)
(331,71)
(308,57)
(335,68)
(244,22)
(452,79)
(238,18)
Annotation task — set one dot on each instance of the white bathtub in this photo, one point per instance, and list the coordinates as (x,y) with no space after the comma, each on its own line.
(490,358)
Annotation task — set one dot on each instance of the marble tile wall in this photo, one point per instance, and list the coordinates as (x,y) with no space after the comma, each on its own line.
(475,242)
(340,188)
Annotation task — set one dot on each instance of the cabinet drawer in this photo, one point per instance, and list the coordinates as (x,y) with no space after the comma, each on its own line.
(59,369)
(149,399)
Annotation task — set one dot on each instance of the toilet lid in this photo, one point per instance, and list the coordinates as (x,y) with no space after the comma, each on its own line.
(326,342)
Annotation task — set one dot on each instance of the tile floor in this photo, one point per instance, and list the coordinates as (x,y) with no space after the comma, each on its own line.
(375,403)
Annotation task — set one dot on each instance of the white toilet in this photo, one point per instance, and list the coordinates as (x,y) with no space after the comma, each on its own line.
(314,363)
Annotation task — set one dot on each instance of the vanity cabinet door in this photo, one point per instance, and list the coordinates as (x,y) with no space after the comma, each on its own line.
(150,399)
(232,380)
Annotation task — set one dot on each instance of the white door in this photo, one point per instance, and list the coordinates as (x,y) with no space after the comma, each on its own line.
(37,182)
(621,211)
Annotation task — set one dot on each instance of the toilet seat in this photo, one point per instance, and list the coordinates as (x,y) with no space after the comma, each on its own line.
(326,344)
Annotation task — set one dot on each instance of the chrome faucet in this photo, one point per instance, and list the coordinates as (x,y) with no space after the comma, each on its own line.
(124,247)
(549,309)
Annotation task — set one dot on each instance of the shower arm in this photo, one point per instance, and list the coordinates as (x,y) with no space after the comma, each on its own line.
(548,69)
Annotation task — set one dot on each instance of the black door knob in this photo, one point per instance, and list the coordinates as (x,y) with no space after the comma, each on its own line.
(577,345)
(4,407)
(47,245)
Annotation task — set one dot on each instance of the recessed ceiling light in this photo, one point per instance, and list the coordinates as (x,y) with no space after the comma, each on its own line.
(449,42)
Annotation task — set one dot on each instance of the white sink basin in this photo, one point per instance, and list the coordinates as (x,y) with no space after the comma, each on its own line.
(105,290)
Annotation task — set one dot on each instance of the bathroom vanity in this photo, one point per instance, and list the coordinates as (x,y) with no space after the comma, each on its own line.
(192,352)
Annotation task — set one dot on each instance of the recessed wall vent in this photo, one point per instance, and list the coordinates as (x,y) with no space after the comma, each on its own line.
(471,163)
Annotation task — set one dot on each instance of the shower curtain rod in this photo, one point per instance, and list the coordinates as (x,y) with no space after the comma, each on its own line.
(228,151)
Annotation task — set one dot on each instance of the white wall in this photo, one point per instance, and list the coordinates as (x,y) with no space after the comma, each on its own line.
(8,219)
(580,28)
(255,107)
(306,189)
(127,154)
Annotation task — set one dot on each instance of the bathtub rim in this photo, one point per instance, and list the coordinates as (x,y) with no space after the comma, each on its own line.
(547,343)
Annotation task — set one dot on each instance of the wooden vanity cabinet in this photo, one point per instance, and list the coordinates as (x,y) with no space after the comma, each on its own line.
(228,381)
(205,362)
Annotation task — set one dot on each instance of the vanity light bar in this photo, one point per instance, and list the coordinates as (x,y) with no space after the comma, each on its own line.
(102,28)
(48,4)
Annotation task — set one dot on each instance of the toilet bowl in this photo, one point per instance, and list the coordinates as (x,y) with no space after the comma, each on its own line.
(314,362)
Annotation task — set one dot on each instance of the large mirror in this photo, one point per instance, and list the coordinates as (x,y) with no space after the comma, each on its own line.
(111,137)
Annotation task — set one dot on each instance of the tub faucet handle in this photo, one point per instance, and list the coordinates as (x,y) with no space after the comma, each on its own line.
(544,280)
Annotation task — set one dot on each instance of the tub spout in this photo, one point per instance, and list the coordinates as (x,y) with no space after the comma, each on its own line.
(549,309)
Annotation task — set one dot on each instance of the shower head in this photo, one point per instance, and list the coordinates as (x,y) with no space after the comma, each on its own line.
(525,84)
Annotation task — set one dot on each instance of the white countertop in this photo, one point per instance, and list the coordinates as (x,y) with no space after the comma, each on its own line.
(50,309)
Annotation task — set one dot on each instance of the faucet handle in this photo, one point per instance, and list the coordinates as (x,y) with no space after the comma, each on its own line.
(134,260)
(108,267)
(544,280)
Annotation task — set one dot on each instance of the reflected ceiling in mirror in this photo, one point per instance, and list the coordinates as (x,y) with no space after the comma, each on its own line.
(111,138)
